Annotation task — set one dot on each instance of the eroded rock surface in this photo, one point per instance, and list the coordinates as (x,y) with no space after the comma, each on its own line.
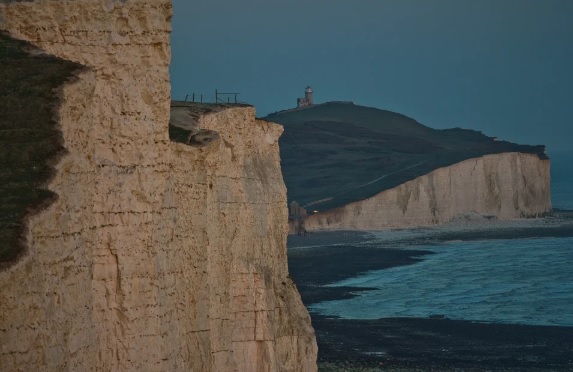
(505,186)
(156,256)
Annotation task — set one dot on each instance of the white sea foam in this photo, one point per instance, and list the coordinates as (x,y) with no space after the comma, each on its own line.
(526,281)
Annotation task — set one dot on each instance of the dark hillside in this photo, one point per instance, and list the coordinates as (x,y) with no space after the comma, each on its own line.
(336,153)
(29,136)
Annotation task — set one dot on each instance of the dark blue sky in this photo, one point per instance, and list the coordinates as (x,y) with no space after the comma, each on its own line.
(504,67)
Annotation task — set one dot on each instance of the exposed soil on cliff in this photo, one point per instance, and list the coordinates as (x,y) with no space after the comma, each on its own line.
(30,140)
(414,343)
(337,153)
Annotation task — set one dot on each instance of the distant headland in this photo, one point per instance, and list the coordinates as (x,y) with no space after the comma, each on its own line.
(339,155)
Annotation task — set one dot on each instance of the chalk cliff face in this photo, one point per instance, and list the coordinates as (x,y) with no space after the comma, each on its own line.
(507,186)
(156,255)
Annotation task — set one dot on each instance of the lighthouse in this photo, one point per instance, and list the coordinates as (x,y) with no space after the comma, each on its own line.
(308,95)
(307,100)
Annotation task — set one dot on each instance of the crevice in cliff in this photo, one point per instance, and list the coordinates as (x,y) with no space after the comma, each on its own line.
(433,198)
(31,142)
(403,196)
(231,147)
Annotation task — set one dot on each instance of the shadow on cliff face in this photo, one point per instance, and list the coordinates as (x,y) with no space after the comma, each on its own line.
(30,140)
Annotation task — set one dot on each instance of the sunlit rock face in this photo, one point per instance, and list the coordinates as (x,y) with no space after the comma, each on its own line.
(155,255)
(502,186)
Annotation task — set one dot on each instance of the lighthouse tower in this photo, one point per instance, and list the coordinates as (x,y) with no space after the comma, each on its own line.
(308,95)
(307,100)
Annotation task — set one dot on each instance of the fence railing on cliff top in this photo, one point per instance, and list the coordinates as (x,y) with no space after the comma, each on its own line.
(220,97)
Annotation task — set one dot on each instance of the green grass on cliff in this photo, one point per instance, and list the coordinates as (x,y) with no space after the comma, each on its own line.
(29,136)
(340,152)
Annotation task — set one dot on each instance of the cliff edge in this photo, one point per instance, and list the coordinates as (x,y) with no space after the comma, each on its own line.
(157,254)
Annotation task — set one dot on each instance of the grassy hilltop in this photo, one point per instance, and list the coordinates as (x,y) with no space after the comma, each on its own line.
(336,153)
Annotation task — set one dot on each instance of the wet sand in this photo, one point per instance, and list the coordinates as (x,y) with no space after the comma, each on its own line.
(418,343)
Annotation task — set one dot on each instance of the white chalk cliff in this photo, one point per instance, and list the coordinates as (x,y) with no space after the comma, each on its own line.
(156,256)
(505,186)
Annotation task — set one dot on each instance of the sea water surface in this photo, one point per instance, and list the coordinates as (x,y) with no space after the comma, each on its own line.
(521,281)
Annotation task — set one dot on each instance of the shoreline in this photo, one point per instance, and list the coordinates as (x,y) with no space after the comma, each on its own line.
(441,344)
(420,343)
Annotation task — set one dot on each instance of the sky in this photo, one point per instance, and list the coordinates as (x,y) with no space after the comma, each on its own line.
(503,67)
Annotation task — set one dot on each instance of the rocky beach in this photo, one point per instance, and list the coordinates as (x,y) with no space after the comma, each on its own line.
(435,342)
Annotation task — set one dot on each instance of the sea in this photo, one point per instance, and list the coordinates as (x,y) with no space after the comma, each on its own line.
(516,280)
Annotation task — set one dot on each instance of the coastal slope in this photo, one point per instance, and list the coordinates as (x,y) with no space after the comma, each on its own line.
(155,253)
(356,167)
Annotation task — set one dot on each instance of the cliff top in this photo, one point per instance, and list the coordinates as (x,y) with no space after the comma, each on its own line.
(205,108)
(184,121)
(338,152)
